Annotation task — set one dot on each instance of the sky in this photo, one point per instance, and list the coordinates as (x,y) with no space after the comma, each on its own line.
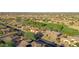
(39,5)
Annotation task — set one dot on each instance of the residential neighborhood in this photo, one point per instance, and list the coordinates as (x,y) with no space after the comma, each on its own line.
(18,29)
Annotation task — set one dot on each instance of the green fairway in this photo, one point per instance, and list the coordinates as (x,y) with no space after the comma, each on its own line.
(51,26)
(29,35)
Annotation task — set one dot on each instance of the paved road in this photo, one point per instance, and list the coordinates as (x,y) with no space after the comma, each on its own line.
(9,34)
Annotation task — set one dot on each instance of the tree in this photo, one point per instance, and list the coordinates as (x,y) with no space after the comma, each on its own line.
(1,33)
(77,44)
